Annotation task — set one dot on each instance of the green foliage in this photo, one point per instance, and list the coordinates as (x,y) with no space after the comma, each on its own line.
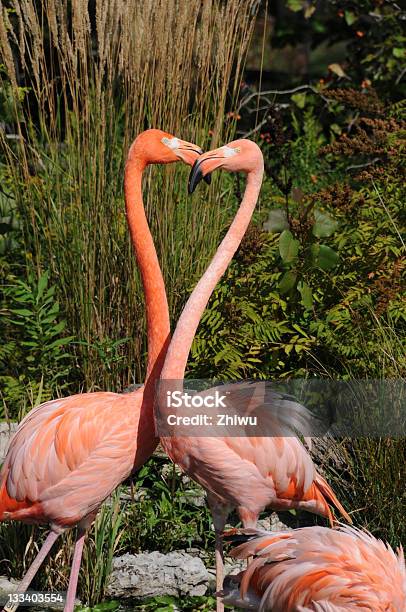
(245,331)
(368,33)
(321,291)
(169,513)
(19,544)
(377,46)
(103,542)
(172,604)
(33,357)
(106,606)
(371,482)
(16,540)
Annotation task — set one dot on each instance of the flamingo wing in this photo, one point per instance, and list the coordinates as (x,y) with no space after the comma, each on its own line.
(236,458)
(67,456)
(253,472)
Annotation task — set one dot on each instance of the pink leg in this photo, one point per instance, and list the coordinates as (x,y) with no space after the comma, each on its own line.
(219,570)
(219,513)
(33,569)
(249,520)
(74,572)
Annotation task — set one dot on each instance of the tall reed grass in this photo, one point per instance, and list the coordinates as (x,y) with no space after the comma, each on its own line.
(83,83)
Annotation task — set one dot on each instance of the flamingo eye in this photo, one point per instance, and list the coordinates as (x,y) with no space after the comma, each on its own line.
(172,143)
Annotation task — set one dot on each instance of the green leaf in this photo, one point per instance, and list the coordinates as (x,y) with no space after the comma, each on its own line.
(399,52)
(334,127)
(56,329)
(60,342)
(327,258)
(350,17)
(299,99)
(23,312)
(295,5)
(309,11)
(306,294)
(277,220)
(287,282)
(288,246)
(324,224)
(42,284)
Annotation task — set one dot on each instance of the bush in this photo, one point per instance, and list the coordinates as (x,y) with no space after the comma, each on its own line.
(320,293)
(33,355)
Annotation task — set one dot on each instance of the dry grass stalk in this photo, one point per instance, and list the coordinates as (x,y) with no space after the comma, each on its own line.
(95,81)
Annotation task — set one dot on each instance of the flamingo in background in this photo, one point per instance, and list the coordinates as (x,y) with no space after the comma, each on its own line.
(69,454)
(246,473)
(315,569)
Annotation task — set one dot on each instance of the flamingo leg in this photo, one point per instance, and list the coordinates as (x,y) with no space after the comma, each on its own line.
(219,513)
(249,520)
(219,570)
(33,569)
(74,572)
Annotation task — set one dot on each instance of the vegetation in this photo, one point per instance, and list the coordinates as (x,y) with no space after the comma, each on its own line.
(71,122)
(315,290)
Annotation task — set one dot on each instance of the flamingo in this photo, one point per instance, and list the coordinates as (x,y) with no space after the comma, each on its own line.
(316,569)
(246,473)
(69,454)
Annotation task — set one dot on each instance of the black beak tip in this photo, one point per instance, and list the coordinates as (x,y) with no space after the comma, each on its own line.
(195,177)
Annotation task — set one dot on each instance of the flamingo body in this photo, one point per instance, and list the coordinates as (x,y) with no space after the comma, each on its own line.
(68,455)
(316,569)
(246,473)
(254,473)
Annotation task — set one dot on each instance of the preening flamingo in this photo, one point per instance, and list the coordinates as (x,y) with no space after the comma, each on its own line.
(316,569)
(69,454)
(246,473)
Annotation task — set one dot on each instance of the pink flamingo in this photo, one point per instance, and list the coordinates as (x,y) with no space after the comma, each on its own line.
(246,473)
(316,569)
(69,454)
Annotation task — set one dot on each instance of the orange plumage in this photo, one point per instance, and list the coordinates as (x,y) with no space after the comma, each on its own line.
(69,454)
(246,473)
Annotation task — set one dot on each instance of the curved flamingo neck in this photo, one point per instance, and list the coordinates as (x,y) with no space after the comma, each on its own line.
(176,359)
(158,328)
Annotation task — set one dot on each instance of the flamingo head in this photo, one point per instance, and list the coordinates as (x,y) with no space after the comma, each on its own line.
(237,156)
(159,147)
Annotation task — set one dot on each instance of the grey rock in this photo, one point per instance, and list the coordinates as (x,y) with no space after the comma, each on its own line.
(154,574)
(272,523)
(7,431)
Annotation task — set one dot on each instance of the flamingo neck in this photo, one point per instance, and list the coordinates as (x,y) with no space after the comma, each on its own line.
(176,359)
(157,311)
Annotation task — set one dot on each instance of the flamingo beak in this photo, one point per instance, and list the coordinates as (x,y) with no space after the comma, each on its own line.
(189,153)
(198,173)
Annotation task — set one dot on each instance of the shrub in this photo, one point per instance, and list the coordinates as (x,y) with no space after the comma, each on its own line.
(321,293)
